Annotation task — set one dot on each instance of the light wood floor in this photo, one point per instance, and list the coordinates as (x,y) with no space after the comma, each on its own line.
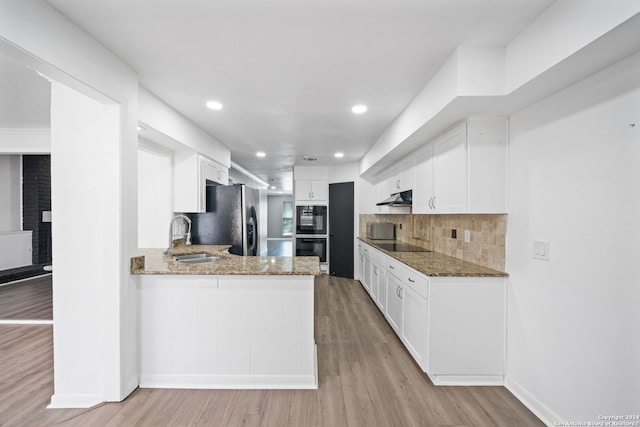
(367,378)
(28,299)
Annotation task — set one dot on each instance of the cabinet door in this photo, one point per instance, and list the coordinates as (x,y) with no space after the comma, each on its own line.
(374,280)
(451,171)
(414,325)
(303,190)
(312,190)
(382,192)
(487,154)
(423,184)
(394,303)
(361,262)
(381,300)
(402,177)
(367,273)
(320,191)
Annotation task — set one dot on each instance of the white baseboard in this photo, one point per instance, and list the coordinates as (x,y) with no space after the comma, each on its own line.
(540,410)
(467,380)
(67,401)
(230,381)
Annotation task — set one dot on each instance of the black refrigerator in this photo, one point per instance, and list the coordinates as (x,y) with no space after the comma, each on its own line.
(231,219)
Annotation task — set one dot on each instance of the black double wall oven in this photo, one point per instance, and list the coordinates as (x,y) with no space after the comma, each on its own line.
(311,231)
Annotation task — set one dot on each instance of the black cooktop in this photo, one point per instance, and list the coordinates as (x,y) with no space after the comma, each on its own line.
(400,247)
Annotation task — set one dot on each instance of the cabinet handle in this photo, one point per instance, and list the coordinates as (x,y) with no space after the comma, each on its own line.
(411,280)
(398,184)
(400,295)
(391,267)
(398,291)
(430,205)
(434,202)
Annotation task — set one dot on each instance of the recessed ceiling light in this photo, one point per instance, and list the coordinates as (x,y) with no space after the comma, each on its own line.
(273,187)
(339,155)
(261,154)
(359,109)
(214,105)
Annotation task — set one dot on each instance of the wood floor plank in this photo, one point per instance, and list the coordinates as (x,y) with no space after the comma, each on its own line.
(331,406)
(29,299)
(366,378)
(275,408)
(357,402)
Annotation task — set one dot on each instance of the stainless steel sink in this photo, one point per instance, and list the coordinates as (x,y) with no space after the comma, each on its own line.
(197,258)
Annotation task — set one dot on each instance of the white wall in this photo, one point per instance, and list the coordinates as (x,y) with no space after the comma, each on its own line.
(155,183)
(35,34)
(10,191)
(573,347)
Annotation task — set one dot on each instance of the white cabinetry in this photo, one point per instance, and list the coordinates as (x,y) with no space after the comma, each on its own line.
(454,327)
(393,311)
(401,178)
(214,171)
(190,174)
(463,170)
(466,329)
(312,191)
(378,284)
(382,192)
(407,308)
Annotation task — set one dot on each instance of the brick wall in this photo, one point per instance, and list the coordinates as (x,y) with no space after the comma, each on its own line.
(36,198)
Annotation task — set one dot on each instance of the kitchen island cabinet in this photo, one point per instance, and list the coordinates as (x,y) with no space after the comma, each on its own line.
(240,322)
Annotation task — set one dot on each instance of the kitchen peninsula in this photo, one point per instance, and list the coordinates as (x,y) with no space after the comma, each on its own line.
(233,322)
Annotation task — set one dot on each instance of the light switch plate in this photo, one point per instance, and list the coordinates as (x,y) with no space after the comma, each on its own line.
(467,236)
(540,250)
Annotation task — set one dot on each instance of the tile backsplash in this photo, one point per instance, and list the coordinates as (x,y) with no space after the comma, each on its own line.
(487,234)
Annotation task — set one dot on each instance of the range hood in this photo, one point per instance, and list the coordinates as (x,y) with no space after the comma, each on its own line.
(404,198)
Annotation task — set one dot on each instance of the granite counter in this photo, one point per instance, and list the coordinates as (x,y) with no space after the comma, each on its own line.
(436,264)
(153,262)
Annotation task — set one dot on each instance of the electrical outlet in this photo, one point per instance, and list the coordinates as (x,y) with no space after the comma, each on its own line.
(454,233)
(540,250)
(400,226)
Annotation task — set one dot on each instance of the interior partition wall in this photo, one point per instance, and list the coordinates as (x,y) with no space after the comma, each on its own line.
(36,204)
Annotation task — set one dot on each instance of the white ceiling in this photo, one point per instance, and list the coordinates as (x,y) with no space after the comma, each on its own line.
(289,71)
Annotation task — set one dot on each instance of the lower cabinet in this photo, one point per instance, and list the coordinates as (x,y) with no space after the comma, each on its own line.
(453,327)
(393,311)
(379,285)
(415,310)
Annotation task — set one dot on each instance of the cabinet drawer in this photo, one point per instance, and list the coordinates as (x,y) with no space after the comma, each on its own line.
(408,276)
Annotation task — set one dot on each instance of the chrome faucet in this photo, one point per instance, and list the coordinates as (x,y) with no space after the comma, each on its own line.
(185,218)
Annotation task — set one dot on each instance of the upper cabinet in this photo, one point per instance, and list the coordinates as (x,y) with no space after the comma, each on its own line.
(311,191)
(190,174)
(213,171)
(463,170)
(401,178)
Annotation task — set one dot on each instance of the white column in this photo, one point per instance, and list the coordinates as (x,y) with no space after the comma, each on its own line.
(85,192)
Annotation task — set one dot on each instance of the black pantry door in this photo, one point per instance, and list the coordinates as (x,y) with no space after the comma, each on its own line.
(341,229)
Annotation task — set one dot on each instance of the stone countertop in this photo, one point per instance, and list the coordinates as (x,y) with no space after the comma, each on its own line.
(153,262)
(436,264)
